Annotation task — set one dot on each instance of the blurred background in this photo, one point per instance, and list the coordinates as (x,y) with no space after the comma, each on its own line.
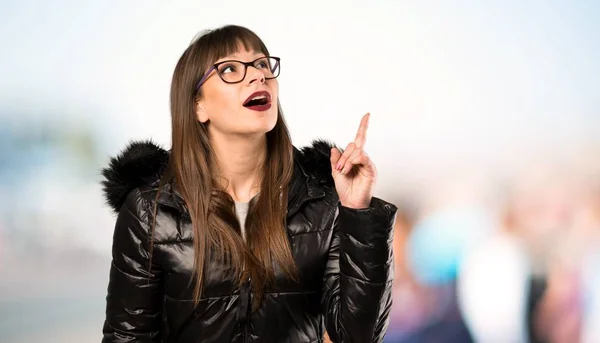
(484,128)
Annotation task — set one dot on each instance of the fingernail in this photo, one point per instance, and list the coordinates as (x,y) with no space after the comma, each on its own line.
(338,166)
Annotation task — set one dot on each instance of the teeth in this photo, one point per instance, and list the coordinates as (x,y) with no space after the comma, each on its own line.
(259,97)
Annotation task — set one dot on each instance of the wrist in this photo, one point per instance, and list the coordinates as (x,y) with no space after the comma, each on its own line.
(356,205)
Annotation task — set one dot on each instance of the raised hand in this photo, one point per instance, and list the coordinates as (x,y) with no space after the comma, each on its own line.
(353,172)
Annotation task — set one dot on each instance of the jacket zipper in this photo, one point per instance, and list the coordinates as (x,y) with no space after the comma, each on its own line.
(248,307)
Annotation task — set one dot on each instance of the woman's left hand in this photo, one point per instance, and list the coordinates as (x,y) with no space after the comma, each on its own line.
(353,172)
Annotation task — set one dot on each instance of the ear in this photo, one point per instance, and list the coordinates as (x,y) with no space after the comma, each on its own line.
(201,114)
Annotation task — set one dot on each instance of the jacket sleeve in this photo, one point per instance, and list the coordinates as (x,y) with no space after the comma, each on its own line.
(356,298)
(133,300)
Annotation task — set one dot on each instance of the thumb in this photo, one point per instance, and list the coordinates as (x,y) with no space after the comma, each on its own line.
(335,156)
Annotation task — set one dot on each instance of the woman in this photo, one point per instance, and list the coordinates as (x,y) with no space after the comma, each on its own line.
(234,235)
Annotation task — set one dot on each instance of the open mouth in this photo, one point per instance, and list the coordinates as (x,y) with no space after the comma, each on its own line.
(258,99)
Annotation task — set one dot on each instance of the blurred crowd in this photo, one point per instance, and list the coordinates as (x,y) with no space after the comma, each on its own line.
(512,263)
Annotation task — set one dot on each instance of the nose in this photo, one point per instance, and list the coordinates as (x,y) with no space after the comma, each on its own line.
(253,75)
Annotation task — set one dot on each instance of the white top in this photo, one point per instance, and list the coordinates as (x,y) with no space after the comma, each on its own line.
(241,210)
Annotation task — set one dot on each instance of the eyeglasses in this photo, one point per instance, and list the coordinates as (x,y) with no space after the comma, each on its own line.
(233,71)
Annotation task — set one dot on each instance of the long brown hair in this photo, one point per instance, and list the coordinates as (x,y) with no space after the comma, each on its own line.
(192,169)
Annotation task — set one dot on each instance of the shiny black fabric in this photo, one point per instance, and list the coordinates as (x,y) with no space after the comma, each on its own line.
(344,258)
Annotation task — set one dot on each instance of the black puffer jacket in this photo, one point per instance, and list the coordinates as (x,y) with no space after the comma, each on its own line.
(343,255)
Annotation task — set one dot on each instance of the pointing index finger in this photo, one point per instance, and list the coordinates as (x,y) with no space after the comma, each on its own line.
(361,135)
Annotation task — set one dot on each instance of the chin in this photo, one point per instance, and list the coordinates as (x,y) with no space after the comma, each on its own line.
(264,121)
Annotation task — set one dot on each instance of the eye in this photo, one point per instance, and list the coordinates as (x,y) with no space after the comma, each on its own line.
(262,64)
(228,68)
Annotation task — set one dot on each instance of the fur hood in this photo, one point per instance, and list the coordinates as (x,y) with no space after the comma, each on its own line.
(142,163)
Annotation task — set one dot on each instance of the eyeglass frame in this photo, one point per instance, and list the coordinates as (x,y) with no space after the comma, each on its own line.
(246,65)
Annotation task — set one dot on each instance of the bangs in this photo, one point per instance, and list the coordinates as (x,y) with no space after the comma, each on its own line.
(228,40)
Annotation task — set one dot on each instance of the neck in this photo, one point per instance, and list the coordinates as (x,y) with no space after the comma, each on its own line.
(239,164)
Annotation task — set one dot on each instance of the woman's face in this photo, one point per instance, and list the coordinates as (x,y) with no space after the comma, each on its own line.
(226,107)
